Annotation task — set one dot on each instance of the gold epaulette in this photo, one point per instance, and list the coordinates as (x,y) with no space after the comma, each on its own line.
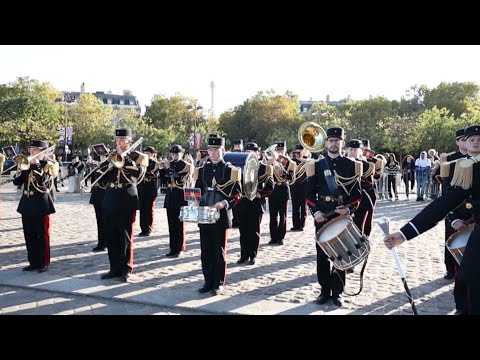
(292,166)
(2,158)
(379,165)
(142,160)
(369,171)
(269,170)
(188,168)
(195,173)
(445,164)
(463,175)
(51,168)
(310,167)
(235,173)
(358,168)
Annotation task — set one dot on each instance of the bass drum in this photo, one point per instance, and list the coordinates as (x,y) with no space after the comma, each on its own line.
(248,162)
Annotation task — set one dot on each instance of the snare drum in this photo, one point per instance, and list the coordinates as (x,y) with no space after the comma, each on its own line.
(457,242)
(343,243)
(199,214)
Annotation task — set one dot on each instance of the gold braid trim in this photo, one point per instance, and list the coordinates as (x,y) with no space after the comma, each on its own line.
(463,175)
(379,165)
(345,181)
(292,166)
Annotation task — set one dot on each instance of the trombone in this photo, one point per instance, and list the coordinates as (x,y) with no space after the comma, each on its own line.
(23,162)
(116,159)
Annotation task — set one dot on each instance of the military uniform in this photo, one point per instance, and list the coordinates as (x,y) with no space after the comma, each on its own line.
(120,206)
(373,171)
(250,212)
(278,199)
(218,182)
(466,182)
(320,198)
(147,194)
(36,205)
(298,193)
(178,174)
(446,173)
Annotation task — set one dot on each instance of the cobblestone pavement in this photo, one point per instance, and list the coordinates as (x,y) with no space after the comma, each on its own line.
(283,281)
(25,301)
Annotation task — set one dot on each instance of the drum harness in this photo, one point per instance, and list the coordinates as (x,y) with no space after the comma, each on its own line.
(332,184)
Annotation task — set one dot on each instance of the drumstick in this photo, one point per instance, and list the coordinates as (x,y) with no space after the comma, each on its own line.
(404,281)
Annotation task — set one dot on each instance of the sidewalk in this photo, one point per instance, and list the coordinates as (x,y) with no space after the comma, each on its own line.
(283,281)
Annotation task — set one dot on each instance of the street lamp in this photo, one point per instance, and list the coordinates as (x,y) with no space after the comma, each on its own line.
(194,108)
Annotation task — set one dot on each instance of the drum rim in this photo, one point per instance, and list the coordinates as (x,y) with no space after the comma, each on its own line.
(457,233)
(338,218)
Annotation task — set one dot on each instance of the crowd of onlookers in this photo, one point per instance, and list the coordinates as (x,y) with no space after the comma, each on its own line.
(401,177)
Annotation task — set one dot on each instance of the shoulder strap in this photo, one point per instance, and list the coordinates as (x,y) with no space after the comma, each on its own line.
(332,185)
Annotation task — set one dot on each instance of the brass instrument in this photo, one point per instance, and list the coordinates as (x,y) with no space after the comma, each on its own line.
(312,136)
(116,159)
(22,162)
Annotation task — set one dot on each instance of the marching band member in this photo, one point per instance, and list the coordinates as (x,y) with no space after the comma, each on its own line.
(220,187)
(277,202)
(333,185)
(36,205)
(250,212)
(121,204)
(298,189)
(446,173)
(465,183)
(369,197)
(178,175)
(147,192)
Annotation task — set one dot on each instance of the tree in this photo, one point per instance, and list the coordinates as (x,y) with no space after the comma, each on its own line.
(92,122)
(451,96)
(28,110)
(435,129)
(264,118)
(175,121)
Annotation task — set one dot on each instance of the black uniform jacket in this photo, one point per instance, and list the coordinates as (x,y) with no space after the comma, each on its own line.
(225,187)
(36,197)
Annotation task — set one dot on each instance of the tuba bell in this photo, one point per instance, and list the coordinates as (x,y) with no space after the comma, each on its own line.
(312,136)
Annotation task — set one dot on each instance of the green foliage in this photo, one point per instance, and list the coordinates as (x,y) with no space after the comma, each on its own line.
(264,118)
(91,121)
(435,129)
(451,96)
(28,111)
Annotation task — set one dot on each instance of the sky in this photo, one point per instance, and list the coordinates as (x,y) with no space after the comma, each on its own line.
(240,71)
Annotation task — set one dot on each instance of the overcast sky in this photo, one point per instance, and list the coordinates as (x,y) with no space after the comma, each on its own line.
(240,71)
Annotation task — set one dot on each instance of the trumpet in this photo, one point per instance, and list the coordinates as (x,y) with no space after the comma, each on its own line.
(22,162)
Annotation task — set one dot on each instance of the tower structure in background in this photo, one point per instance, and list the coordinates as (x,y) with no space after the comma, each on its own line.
(212,111)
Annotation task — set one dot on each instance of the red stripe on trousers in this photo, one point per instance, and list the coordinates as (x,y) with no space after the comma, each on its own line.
(46,236)
(130,262)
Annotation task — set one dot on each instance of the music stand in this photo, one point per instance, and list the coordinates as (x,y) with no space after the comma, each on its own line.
(9,151)
(100,149)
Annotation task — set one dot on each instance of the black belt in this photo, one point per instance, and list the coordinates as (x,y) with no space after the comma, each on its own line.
(118,186)
(328,198)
